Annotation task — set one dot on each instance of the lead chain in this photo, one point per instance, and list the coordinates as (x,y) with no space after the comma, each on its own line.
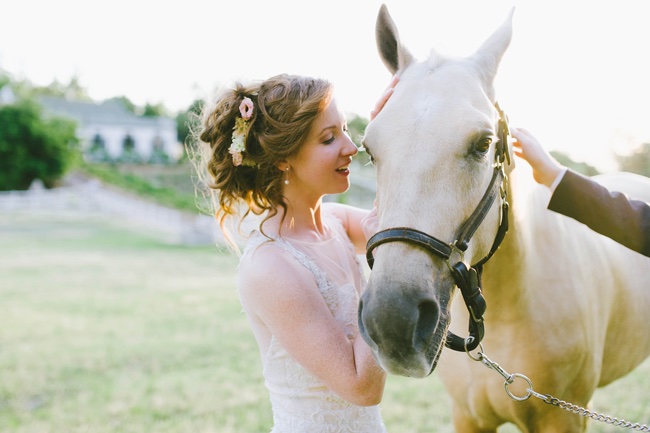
(547,398)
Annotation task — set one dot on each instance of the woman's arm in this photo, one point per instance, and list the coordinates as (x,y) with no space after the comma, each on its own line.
(360,224)
(282,294)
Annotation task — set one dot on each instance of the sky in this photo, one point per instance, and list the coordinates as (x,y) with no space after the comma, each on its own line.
(577,73)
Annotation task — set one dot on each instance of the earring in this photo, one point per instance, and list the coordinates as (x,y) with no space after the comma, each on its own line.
(286,181)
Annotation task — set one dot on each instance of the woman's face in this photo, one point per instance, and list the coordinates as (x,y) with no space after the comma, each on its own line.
(322,164)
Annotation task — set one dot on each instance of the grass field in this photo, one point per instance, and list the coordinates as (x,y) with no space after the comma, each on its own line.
(105,329)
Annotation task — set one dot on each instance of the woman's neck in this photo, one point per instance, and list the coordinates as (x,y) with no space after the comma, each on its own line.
(303,222)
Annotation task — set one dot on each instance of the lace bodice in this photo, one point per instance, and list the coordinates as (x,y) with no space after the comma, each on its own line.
(300,402)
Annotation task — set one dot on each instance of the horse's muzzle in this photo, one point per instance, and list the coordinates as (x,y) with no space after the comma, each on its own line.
(402,331)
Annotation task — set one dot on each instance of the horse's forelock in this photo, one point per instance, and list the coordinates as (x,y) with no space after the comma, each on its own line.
(434,60)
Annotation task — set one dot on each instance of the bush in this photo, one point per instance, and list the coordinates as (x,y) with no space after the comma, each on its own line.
(34,147)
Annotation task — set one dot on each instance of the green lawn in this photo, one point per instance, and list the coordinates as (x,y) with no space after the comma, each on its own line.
(106,329)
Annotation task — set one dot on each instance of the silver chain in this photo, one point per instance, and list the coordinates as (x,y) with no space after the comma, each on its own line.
(547,398)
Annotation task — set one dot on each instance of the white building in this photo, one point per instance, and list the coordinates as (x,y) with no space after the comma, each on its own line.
(108,130)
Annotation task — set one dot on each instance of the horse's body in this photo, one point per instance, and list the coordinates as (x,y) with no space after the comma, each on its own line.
(565,306)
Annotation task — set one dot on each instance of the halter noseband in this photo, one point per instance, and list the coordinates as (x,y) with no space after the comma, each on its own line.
(467,280)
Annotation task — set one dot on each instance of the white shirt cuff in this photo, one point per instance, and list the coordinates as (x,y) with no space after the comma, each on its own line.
(557,180)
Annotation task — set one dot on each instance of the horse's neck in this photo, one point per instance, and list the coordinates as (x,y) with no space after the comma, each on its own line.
(503,271)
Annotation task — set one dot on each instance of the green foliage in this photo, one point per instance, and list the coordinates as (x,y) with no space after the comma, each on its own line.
(638,161)
(72,90)
(580,167)
(187,120)
(356,128)
(163,195)
(158,156)
(126,102)
(33,146)
(154,110)
(4,78)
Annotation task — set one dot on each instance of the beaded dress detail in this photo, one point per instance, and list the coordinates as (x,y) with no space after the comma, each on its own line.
(301,403)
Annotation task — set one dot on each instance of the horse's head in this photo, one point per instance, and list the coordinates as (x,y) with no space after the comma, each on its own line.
(434,147)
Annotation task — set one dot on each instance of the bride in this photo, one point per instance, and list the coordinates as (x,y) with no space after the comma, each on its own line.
(274,149)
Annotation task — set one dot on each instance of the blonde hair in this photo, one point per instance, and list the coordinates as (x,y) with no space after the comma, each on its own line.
(285,108)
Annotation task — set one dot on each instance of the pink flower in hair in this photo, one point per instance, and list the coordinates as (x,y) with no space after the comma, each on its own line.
(246,108)
(237,159)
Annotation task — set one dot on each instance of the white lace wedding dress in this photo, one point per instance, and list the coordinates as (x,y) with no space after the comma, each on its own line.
(300,402)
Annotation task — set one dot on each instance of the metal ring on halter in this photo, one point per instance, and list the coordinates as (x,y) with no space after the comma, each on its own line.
(461,255)
(454,247)
(511,380)
(469,341)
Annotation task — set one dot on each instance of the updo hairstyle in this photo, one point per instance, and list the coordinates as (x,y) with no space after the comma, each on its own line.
(285,108)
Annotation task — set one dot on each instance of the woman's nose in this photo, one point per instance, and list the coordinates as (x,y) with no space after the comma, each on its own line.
(350,148)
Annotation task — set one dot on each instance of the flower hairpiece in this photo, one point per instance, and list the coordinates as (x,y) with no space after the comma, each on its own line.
(240,131)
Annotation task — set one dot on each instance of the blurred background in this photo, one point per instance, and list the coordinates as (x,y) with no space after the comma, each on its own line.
(576,73)
(118,302)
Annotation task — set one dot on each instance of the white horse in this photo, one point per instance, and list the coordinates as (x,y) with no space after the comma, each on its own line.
(565,306)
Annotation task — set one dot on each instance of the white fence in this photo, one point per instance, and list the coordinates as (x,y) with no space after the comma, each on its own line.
(91,198)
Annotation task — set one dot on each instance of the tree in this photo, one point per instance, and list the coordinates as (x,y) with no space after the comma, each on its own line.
(34,147)
(356,128)
(126,102)
(580,167)
(73,90)
(638,161)
(151,110)
(186,120)
(4,78)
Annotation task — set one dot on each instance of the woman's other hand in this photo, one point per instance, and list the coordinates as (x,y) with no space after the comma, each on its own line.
(384,97)
(369,223)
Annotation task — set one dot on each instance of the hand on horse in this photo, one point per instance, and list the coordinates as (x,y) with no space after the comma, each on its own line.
(369,223)
(384,97)
(545,168)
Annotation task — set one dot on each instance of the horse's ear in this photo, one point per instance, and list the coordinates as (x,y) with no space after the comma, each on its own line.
(489,54)
(392,53)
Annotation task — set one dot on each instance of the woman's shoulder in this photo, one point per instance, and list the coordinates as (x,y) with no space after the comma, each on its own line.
(272,277)
(269,264)
(336,210)
(261,255)
(336,216)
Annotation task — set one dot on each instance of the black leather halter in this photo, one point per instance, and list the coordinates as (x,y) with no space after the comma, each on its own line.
(467,280)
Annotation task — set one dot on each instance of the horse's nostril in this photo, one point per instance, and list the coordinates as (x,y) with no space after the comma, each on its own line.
(362,326)
(428,317)
(362,329)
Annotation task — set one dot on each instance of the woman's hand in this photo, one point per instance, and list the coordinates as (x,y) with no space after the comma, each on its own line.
(369,223)
(384,97)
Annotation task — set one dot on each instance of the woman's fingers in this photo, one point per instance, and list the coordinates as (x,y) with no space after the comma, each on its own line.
(384,97)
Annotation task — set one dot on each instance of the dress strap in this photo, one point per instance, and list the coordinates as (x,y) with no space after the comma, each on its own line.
(257,239)
(337,224)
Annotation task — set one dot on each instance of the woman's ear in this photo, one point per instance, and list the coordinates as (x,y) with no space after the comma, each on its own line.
(284,166)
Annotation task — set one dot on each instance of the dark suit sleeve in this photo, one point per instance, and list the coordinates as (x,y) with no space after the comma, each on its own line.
(612,214)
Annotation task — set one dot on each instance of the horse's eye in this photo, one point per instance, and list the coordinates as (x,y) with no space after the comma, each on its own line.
(482,145)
